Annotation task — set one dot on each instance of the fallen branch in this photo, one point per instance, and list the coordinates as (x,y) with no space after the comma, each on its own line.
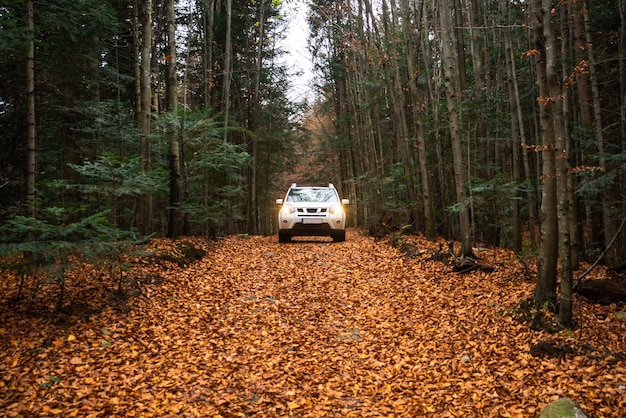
(468,264)
(601,256)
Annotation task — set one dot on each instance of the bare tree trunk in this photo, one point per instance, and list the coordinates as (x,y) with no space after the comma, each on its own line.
(566,70)
(144,221)
(374,119)
(583,88)
(431,54)
(451,73)
(396,100)
(545,290)
(31,138)
(227,67)
(416,105)
(477,38)
(457,28)
(253,204)
(174,226)
(555,107)
(516,130)
(597,119)
(209,75)
(137,55)
(530,195)
(622,72)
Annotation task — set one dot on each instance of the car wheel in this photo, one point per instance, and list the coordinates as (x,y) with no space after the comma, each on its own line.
(339,236)
(283,237)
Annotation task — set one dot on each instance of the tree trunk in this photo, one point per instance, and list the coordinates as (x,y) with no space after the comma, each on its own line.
(597,120)
(416,105)
(622,72)
(144,221)
(396,101)
(375,118)
(137,54)
(545,290)
(253,203)
(209,76)
(532,189)
(451,74)
(567,70)
(174,225)
(516,130)
(31,138)
(227,67)
(555,107)
(433,81)
(583,88)
(456,26)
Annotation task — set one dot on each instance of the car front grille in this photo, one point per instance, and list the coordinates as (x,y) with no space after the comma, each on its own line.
(312,211)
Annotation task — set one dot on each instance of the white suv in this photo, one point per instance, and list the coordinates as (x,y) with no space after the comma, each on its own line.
(312,211)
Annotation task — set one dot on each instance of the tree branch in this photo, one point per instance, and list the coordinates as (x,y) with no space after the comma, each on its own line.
(601,256)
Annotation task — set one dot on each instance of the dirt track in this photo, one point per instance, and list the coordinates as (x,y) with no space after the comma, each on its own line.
(314,328)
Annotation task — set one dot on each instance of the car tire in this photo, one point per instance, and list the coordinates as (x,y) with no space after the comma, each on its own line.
(339,236)
(283,237)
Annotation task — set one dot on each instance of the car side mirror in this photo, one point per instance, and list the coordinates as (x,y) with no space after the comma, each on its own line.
(345,201)
(279,201)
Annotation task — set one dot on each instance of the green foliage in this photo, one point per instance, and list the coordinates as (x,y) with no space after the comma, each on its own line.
(107,126)
(115,183)
(214,180)
(490,202)
(593,181)
(58,240)
(394,188)
(111,177)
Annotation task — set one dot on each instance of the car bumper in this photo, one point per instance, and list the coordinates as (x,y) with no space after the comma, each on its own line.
(311,225)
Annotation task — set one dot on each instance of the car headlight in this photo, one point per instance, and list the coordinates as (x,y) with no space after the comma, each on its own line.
(287,210)
(336,210)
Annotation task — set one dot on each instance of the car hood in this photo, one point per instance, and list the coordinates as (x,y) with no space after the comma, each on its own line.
(312,204)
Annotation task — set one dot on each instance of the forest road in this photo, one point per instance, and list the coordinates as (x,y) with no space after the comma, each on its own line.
(317,328)
(312,328)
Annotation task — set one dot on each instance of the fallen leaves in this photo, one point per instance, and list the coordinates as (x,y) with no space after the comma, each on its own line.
(311,329)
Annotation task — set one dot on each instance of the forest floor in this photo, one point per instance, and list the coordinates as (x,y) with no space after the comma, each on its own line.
(306,329)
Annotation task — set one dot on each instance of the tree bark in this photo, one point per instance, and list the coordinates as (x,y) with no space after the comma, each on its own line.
(583,89)
(622,72)
(253,204)
(228,46)
(597,123)
(209,76)
(416,106)
(174,226)
(144,221)
(545,290)
(516,133)
(31,138)
(555,108)
(451,74)
(396,102)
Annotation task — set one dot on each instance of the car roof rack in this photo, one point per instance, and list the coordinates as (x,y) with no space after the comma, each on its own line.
(330,185)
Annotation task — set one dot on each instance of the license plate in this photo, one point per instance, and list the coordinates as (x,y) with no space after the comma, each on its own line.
(310,221)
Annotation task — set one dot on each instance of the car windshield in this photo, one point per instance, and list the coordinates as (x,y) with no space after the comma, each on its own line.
(312,195)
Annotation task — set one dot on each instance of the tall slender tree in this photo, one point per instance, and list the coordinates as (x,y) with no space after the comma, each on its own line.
(31,138)
(228,53)
(554,107)
(416,111)
(453,90)
(144,221)
(545,290)
(174,222)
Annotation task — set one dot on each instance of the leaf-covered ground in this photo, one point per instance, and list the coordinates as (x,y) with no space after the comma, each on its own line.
(307,329)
